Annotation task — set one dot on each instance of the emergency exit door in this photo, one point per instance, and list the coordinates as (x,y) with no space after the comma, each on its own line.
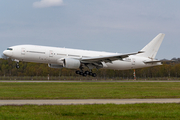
(51,53)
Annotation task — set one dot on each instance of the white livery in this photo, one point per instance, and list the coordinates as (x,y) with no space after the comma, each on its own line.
(78,59)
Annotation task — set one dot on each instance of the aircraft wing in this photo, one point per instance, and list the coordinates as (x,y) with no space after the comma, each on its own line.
(108,58)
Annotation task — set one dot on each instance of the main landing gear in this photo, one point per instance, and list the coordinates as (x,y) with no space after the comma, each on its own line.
(86,73)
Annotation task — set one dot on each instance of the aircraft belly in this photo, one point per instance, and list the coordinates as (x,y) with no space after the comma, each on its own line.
(124,65)
(119,65)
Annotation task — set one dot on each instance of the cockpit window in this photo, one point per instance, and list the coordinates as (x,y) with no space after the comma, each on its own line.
(9,49)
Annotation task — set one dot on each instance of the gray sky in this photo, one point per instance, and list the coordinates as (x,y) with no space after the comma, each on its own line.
(104,25)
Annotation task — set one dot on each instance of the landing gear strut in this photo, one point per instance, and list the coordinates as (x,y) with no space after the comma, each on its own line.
(17,65)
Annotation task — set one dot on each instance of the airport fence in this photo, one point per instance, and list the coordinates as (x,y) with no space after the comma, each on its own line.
(81,78)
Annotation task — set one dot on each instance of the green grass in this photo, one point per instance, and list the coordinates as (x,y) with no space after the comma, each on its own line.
(94,112)
(90,90)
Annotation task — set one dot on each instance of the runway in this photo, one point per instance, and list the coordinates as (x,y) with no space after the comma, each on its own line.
(86,101)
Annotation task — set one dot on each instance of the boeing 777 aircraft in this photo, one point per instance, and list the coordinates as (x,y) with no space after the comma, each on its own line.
(78,59)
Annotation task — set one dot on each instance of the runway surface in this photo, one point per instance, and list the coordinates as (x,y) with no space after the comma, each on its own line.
(86,101)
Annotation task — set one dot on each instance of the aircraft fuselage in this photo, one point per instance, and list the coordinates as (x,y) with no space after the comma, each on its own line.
(53,55)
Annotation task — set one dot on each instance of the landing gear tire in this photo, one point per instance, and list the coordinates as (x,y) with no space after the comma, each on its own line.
(77,72)
(94,74)
(87,72)
(17,66)
(90,73)
(81,73)
(84,74)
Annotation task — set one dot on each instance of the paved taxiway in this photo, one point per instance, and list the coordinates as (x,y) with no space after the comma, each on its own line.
(86,101)
(35,81)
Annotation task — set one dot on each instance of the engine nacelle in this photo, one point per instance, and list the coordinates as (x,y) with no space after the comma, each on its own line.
(71,63)
(55,66)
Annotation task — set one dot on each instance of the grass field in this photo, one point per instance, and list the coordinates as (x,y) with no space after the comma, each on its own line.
(94,112)
(90,90)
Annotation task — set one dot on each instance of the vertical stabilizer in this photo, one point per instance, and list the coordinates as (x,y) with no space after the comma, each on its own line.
(151,49)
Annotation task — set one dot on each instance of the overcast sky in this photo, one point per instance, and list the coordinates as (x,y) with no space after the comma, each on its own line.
(104,25)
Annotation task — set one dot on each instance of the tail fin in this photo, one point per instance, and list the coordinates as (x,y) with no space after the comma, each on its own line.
(151,49)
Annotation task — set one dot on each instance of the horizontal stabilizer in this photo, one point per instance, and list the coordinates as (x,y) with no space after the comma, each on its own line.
(152,61)
(157,61)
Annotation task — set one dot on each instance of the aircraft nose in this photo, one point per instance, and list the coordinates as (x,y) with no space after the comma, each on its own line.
(7,53)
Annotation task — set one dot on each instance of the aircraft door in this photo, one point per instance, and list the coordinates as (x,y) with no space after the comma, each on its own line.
(23,51)
(51,56)
(22,54)
(133,60)
(51,53)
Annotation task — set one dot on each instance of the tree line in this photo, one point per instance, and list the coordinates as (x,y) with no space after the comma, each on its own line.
(8,68)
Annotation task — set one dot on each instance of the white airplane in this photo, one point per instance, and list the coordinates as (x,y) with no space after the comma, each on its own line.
(78,59)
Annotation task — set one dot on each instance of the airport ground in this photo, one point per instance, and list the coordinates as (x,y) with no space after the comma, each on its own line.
(89,90)
(92,112)
(24,90)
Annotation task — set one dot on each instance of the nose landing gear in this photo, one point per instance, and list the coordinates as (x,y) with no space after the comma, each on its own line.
(17,65)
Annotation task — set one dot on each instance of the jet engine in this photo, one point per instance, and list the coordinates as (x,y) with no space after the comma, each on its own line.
(71,63)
